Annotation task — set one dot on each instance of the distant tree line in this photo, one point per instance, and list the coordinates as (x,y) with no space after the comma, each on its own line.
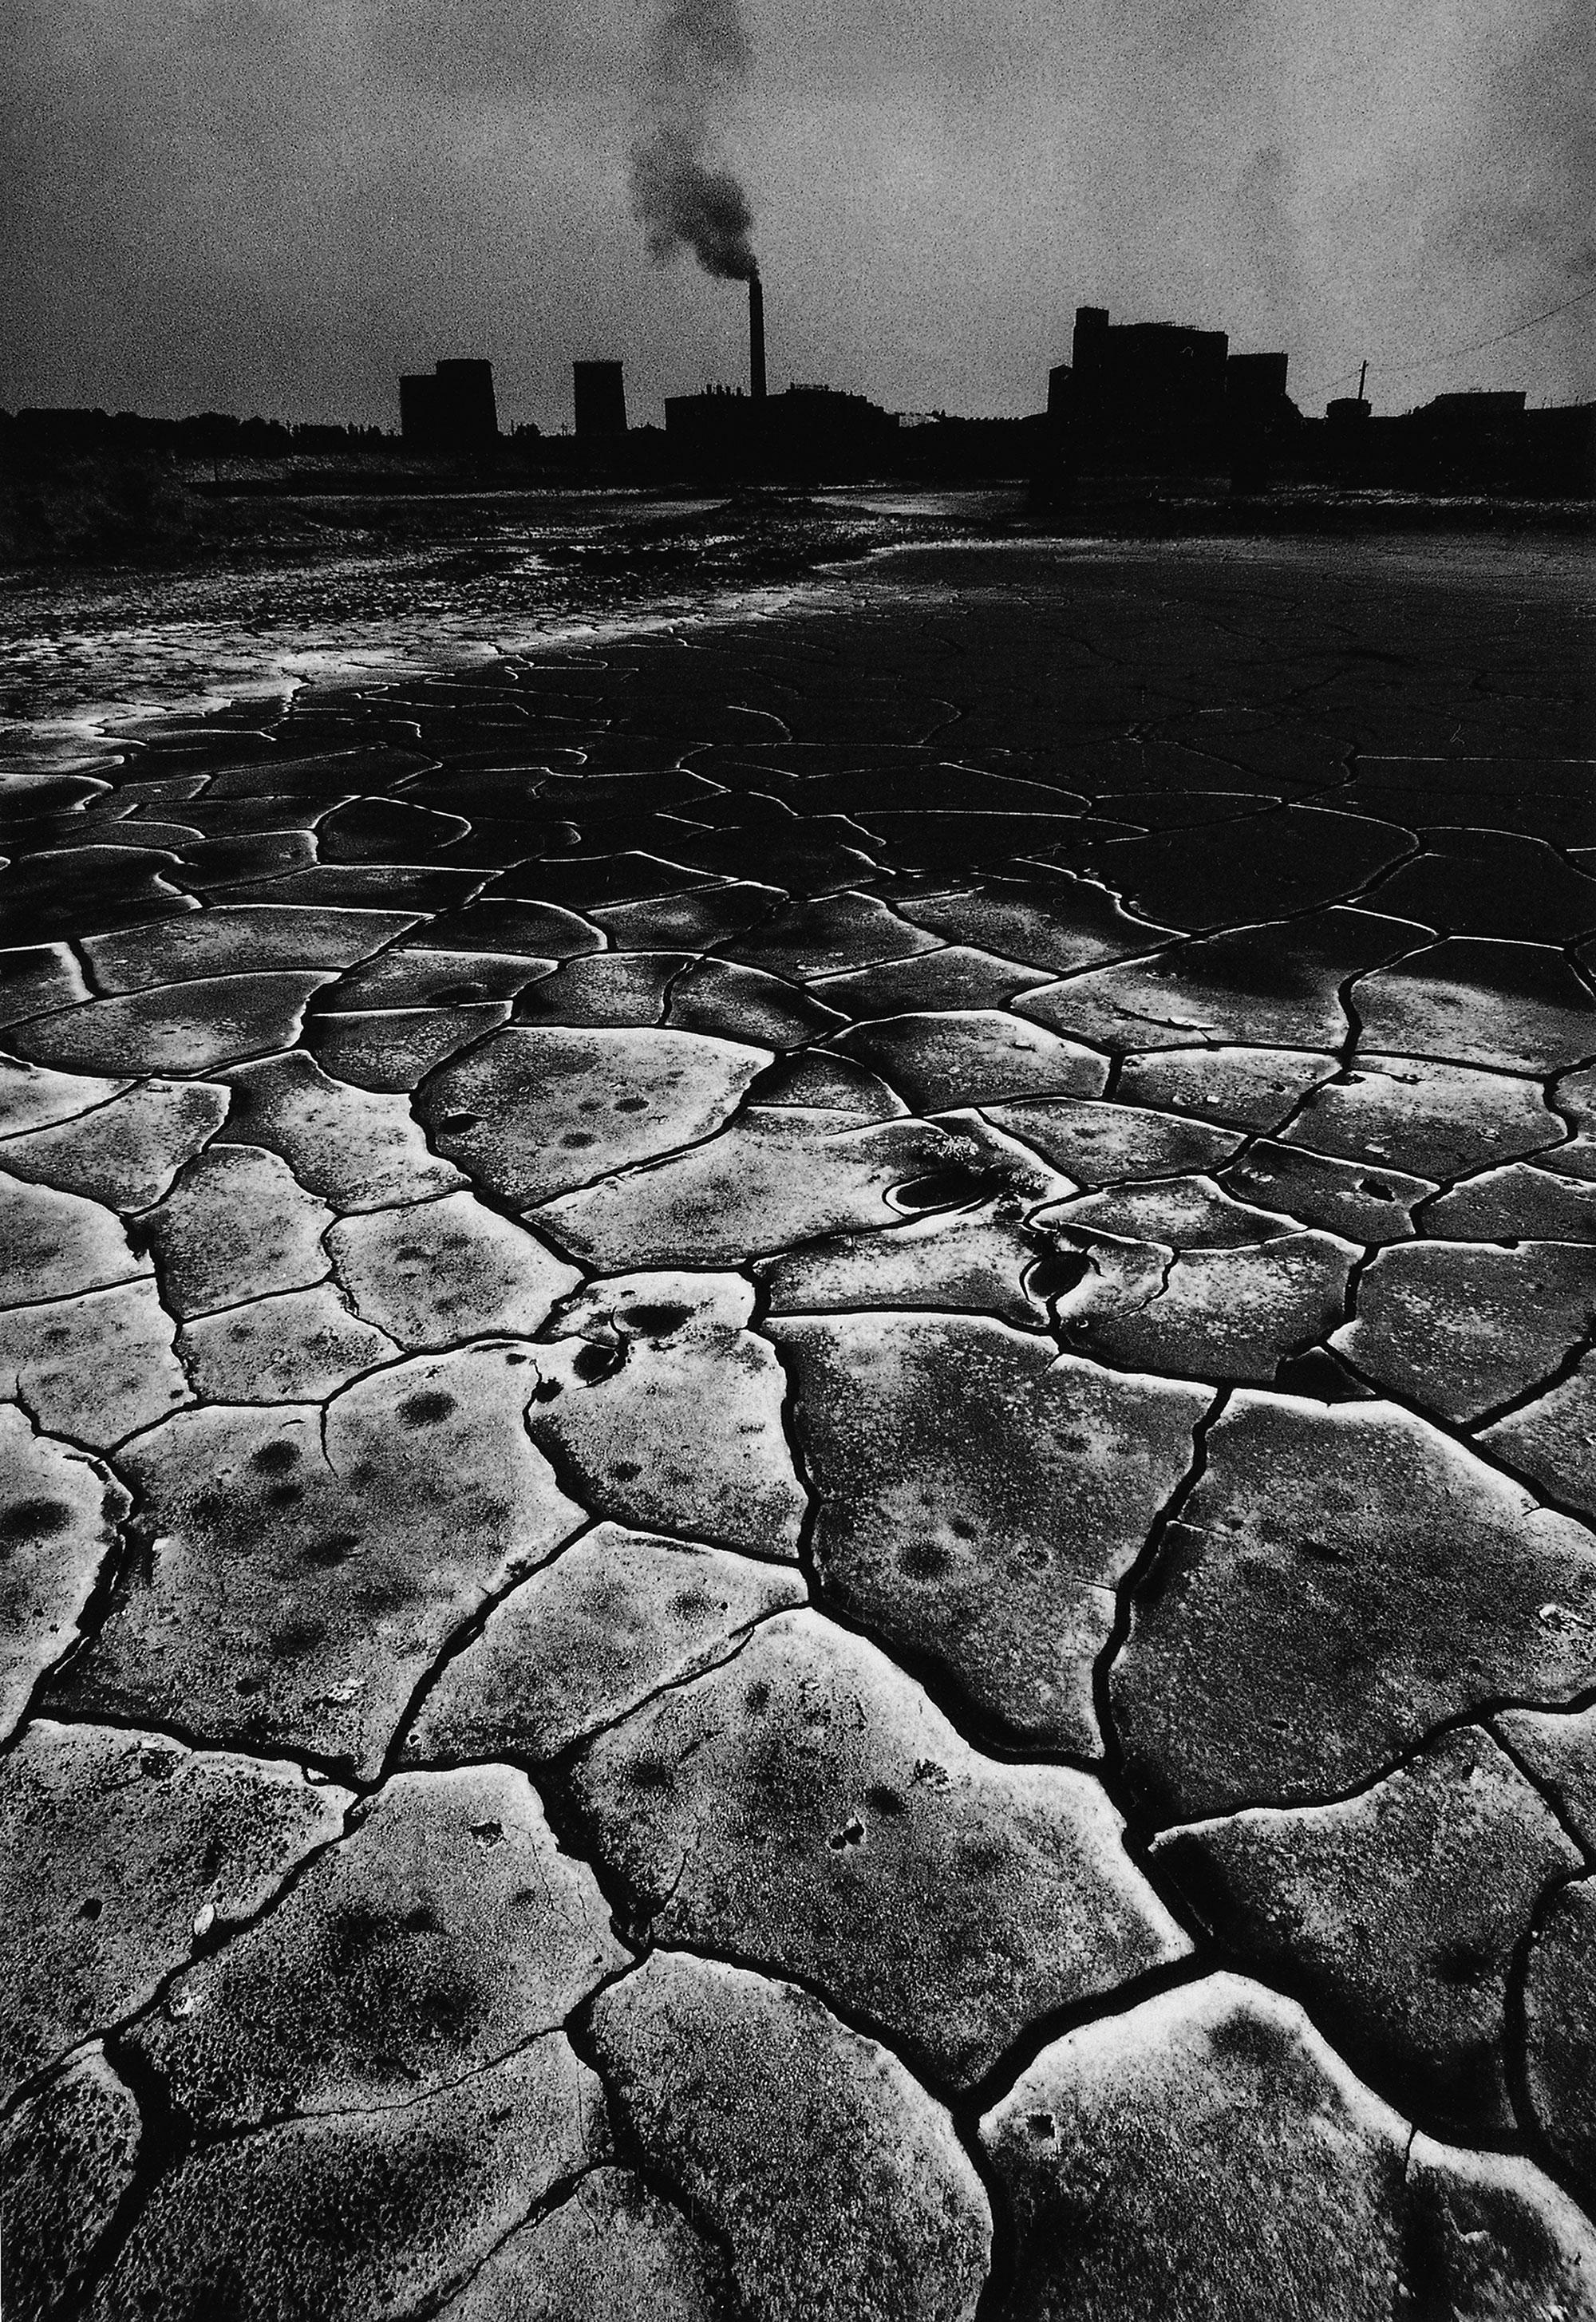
(203,434)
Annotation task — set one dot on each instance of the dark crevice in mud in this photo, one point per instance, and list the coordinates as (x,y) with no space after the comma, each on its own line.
(1539,1158)
(1112,1771)
(1559,1373)
(1465,1434)
(216,2135)
(1101,1359)
(1545,1495)
(85,965)
(461,1641)
(1564,1112)
(963,2103)
(137,1085)
(1480,1712)
(1412,2264)
(1034,1324)
(555,2198)
(1584,971)
(792,1436)
(1057,2023)
(629,2148)
(997,2290)
(183,1322)
(165,2140)
(1368,2056)
(1543,1789)
(1316,1374)
(555,1768)
(73,1297)
(170,2138)
(1358,1267)
(1515,2047)
(549,1778)
(126,1546)
(981,1730)
(535,1220)
(169,2133)
(964,2100)
(264,1748)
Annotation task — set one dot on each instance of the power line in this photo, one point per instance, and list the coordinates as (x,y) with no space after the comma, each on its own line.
(1439,354)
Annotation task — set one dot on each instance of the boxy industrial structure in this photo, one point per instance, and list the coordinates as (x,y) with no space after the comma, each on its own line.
(452,413)
(599,398)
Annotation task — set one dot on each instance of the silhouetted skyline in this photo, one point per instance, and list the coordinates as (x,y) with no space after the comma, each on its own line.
(232,207)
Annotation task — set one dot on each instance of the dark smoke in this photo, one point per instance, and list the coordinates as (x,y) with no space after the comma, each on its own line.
(684,199)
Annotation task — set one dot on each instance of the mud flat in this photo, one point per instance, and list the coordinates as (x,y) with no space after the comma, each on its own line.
(797,1475)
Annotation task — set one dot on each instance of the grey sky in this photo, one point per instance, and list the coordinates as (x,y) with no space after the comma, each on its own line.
(278,205)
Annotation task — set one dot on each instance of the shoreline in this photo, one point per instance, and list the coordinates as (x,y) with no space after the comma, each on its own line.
(186,667)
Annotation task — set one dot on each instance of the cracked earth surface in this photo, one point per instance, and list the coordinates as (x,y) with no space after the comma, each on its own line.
(798,1469)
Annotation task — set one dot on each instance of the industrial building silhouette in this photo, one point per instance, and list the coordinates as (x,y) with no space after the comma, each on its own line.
(1161,398)
(452,413)
(1138,406)
(1143,412)
(599,400)
(1141,402)
(802,430)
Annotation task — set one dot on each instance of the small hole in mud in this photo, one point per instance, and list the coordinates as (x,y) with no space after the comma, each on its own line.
(1051,1277)
(332,1551)
(945,1189)
(296,1637)
(91,1909)
(655,1322)
(425,1410)
(274,1459)
(592,1363)
(1463,1962)
(1377,1189)
(457,1124)
(33,1519)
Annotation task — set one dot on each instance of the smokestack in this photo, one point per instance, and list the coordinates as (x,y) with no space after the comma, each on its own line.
(756,338)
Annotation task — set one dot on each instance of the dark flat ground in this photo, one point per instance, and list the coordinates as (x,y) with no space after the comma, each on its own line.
(801,1447)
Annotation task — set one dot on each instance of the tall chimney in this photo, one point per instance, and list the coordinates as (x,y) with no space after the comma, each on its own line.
(756,338)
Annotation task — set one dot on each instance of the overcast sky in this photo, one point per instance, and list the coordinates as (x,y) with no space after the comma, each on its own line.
(278,205)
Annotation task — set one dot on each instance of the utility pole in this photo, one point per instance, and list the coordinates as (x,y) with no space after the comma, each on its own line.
(1362,375)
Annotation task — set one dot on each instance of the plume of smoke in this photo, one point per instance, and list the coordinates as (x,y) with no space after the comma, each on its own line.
(681,194)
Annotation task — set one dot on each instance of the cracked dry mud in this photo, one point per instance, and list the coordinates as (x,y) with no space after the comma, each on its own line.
(797,1468)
